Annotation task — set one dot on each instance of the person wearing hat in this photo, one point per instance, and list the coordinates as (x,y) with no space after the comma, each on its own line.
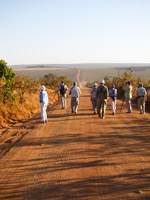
(113,98)
(75,93)
(101,95)
(43,103)
(62,89)
(93,97)
(128,95)
(141,96)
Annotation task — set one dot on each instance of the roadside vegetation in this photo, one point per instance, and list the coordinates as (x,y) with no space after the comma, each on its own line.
(119,81)
(19,95)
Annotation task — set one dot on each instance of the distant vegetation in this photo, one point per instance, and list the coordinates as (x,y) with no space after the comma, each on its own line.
(119,81)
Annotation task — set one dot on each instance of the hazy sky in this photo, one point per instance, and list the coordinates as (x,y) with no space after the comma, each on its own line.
(74,31)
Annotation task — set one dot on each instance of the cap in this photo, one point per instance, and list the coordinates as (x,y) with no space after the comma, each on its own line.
(74,83)
(102,81)
(42,87)
(94,84)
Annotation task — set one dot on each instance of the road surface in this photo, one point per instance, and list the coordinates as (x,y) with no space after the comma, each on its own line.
(80,157)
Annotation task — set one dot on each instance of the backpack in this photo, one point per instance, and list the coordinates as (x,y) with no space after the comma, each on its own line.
(113,96)
(62,90)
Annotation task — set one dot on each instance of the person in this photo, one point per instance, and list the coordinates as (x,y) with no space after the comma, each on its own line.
(75,93)
(101,95)
(128,95)
(113,98)
(141,96)
(43,103)
(93,97)
(62,89)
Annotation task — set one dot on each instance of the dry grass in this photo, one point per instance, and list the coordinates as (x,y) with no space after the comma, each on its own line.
(14,111)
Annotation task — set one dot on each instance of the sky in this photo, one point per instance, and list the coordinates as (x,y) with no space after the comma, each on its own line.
(74,31)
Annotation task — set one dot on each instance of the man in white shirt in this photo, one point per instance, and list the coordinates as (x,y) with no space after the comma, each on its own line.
(75,93)
(43,103)
(141,96)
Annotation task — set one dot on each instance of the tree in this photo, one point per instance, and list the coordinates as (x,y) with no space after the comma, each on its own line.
(7,77)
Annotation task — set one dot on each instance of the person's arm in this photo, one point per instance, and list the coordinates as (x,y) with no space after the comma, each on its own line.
(70,91)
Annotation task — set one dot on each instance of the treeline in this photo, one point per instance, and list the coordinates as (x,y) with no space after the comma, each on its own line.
(12,86)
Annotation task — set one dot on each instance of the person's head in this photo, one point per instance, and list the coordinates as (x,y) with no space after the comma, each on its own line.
(128,83)
(94,84)
(140,84)
(42,87)
(62,82)
(113,86)
(102,82)
(74,83)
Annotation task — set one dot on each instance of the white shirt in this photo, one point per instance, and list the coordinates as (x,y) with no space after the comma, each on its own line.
(44,97)
(75,92)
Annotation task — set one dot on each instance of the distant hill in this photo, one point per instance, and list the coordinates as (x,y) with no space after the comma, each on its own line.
(141,66)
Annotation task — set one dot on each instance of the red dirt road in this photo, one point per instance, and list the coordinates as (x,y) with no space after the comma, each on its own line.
(80,157)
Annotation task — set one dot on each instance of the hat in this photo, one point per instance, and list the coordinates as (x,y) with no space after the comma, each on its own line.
(74,83)
(94,84)
(42,87)
(102,81)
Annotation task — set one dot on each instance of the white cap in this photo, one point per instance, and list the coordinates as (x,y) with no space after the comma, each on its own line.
(94,84)
(102,81)
(42,87)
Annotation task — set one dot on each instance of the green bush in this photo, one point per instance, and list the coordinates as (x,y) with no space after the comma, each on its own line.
(7,78)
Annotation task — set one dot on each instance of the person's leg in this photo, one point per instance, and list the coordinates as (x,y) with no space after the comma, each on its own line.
(45,114)
(130,106)
(76,104)
(98,107)
(104,104)
(65,104)
(72,104)
(112,105)
(128,103)
(42,112)
(139,105)
(62,101)
(142,105)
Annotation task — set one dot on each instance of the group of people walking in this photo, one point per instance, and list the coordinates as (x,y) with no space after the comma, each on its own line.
(99,96)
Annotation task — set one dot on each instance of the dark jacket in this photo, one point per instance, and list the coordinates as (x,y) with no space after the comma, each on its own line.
(102,92)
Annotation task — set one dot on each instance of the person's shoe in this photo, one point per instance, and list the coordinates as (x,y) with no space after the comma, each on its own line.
(103,117)
(75,112)
(129,112)
(99,115)
(46,121)
(94,112)
(72,111)
(113,113)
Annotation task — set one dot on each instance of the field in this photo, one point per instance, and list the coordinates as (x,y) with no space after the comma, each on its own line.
(86,74)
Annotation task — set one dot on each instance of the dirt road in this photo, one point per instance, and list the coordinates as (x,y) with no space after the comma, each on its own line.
(80,157)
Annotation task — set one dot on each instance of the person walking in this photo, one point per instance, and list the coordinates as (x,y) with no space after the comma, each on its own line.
(113,98)
(128,95)
(141,96)
(101,95)
(93,97)
(43,103)
(75,93)
(62,89)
